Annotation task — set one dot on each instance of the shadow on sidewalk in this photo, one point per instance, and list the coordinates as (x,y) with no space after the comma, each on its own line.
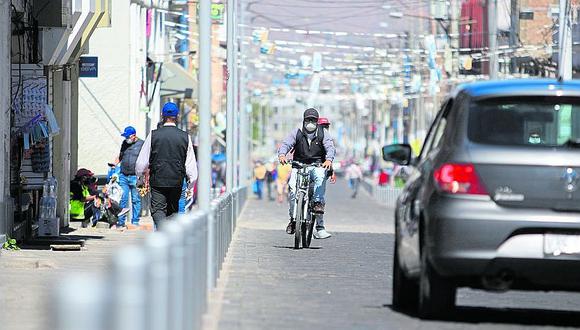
(521,316)
(45,243)
(292,247)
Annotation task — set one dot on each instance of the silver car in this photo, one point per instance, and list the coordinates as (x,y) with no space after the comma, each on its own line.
(492,201)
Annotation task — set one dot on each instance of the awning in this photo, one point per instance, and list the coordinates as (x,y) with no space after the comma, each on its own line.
(176,82)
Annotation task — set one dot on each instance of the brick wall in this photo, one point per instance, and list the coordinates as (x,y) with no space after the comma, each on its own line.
(539,30)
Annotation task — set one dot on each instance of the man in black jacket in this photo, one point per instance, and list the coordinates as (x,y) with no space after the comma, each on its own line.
(128,179)
(168,156)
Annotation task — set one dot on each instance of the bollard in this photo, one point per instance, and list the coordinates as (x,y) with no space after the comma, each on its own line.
(129,289)
(157,247)
(211,245)
(174,231)
(220,232)
(204,258)
(199,267)
(80,303)
(230,227)
(189,292)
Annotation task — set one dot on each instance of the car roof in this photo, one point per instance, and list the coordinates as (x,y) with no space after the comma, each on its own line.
(522,87)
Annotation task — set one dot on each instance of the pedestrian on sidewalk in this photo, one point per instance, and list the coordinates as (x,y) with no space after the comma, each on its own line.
(128,179)
(271,176)
(282,176)
(354,175)
(167,154)
(259,177)
(383,177)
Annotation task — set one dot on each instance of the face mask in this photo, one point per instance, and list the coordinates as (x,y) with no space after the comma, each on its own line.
(534,140)
(310,127)
(129,140)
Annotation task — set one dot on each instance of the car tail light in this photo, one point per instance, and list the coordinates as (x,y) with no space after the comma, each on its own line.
(459,179)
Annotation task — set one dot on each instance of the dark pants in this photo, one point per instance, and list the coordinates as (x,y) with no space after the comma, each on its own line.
(164,202)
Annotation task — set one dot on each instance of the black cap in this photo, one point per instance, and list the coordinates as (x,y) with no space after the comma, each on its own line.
(311,113)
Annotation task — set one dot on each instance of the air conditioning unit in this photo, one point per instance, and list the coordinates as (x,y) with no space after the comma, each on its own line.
(53,13)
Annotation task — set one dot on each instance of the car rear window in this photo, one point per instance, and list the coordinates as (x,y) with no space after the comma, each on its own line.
(529,121)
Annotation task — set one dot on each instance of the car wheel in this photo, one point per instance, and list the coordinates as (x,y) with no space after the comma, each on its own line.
(436,294)
(405,290)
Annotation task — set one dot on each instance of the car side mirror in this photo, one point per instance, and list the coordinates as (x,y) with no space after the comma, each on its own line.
(400,154)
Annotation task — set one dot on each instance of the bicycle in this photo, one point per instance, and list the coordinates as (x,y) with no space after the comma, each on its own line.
(305,218)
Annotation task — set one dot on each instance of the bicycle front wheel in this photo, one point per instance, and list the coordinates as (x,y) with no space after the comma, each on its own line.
(299,219)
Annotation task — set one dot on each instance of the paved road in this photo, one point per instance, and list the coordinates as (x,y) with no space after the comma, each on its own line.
(344,282)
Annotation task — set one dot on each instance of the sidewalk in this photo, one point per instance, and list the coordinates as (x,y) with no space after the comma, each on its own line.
(27,276)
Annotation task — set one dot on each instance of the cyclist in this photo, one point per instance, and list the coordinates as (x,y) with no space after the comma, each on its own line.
(311,146)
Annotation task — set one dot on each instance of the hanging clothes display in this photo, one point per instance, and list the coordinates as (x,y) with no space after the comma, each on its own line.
(33,125)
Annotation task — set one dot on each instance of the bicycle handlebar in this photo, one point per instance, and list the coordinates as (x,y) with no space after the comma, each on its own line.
(297,164)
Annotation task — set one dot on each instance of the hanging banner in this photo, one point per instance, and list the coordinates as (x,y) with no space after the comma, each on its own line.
(315,84)
(317,62)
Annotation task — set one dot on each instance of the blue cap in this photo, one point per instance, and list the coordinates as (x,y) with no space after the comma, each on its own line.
(170,109)
(129,130)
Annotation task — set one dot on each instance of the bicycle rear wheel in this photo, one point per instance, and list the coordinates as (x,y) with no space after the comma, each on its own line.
(299,220)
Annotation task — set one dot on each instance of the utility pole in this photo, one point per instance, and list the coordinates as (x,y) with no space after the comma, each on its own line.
(565,42)
(236,100)
(230,118)
(204,149)
(5,67)
(454,32)
(245,111)
(514,30)
(492,30)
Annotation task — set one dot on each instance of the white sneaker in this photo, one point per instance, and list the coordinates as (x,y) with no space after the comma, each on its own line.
(321,234)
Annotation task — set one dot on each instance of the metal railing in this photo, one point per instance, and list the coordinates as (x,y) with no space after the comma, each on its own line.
(386,195)
(161,284)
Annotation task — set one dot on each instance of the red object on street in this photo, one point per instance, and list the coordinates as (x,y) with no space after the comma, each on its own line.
(383,178)
(323,121)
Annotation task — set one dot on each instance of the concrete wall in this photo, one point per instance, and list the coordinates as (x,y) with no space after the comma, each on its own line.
(104,102)
(4,116)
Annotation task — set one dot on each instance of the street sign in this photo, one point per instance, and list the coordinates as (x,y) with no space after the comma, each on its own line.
(89,67)
(216,14)
(527,15)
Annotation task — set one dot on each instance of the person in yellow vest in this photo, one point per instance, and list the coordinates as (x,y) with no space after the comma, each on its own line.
(84,201)
(284,171)
(79,195)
